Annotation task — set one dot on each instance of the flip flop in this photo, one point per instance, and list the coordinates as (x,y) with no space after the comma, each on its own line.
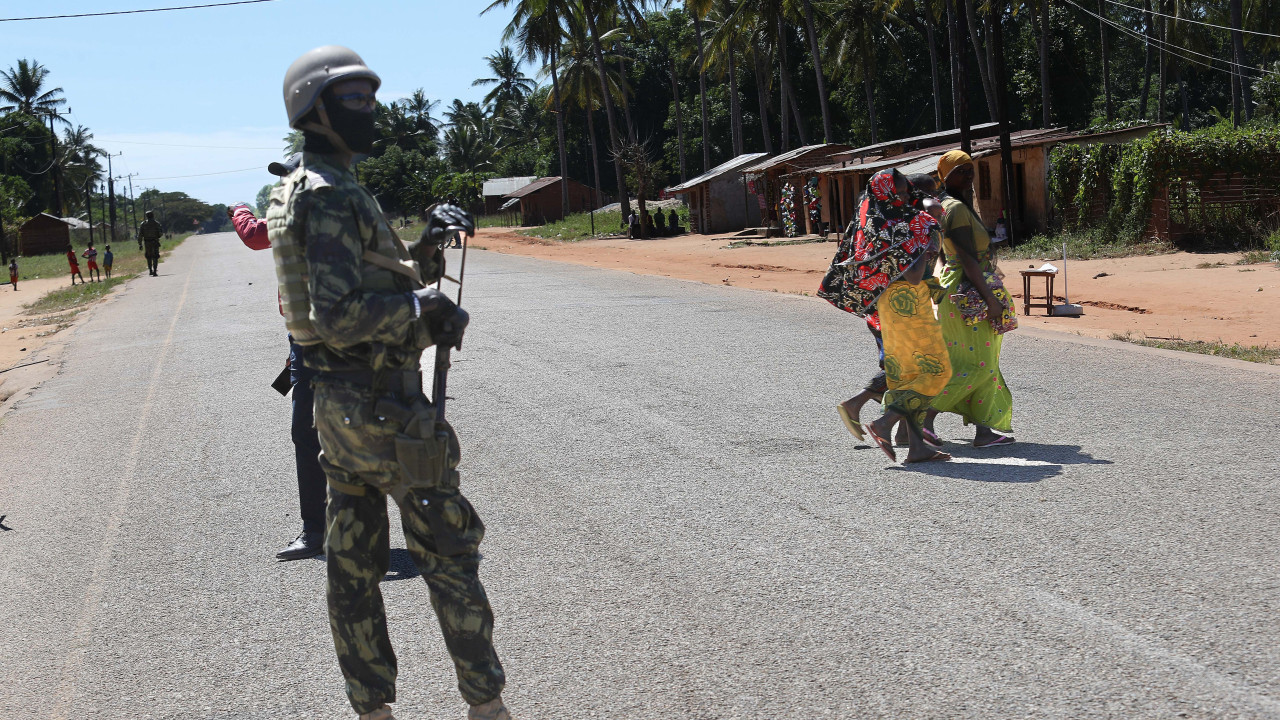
(885,445)
(854,426)
(936,457)
(931,437)
(1002,440)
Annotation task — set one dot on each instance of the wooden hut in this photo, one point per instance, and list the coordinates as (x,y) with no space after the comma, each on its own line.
(718,199)
(539,201)
(765,180)
(495,191)
(44,234)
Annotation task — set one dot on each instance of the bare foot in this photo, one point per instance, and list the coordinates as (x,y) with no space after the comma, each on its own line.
(928,455)
(880,431)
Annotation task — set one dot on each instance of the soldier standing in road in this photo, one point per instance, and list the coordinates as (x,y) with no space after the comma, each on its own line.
(149,233)
(356,301)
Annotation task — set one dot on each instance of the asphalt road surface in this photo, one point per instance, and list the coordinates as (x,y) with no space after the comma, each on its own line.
(679,526)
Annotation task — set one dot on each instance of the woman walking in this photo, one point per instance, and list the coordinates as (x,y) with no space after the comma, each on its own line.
(891,250)
(977,390)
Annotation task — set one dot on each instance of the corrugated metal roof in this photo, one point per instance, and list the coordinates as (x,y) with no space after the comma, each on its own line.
(503,186)
(721,169)
(533,187)
(797,155)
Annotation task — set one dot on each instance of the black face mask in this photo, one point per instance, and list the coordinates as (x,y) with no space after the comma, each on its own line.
(355,127)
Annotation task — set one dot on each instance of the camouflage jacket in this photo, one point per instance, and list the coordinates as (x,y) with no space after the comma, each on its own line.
(350,314)
(150,231)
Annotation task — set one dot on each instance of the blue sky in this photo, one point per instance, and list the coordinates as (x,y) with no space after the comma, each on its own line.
(199,91)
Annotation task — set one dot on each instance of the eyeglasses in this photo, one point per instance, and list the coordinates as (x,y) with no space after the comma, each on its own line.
(357,101)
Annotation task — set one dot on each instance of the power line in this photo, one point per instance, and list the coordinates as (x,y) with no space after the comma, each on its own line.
(1170,47)
(1197,22)
(133,12)
(221,172)
(179,145)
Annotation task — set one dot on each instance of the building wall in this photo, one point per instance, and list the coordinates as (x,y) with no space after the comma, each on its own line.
(43,236)
(729,207)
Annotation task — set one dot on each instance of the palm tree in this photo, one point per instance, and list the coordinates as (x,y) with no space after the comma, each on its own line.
(420,108)
(469,149)
(721,53)
(817,68)
(537,30)
(510,86)
(699,9)
(78,162)
(579,71)
(24,87)
(593,11)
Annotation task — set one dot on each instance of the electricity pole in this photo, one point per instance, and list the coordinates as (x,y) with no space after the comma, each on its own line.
(111,194)
(133,214)
(53,156)
(88,206)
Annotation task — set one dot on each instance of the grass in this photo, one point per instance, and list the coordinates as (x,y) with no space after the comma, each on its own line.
(129,262)
(503,220)
(1083,245)
(578,227)
(1251,353)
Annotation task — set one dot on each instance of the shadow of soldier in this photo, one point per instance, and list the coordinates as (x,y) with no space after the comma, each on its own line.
(1022,462)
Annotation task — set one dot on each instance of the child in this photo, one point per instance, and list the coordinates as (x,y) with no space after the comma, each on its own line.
(13,273)
(107,257)
(75,266)
(92,255)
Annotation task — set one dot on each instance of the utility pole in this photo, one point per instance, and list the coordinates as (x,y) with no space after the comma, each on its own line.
(88,206)
(133,215)
(996,17)
(111,194)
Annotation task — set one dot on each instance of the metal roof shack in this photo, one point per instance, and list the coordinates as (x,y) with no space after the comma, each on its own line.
(495,189)
(718,199)
(44,234)
(764,179)
(540,200)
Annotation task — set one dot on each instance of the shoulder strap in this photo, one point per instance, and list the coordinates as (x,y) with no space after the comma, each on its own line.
(408,268)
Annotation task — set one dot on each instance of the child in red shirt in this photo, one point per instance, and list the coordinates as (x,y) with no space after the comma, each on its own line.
(92,255)
(75,266)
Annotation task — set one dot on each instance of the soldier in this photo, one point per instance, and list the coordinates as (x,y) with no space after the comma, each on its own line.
(354,297)
(149,233)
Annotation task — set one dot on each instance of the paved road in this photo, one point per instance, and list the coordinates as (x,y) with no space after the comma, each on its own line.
(679,527)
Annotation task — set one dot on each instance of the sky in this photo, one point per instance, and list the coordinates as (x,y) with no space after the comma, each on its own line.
(196,92)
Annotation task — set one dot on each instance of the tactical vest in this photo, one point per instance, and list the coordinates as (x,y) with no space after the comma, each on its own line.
(386,267)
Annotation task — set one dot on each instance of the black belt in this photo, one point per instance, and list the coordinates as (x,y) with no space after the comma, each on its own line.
(403,383)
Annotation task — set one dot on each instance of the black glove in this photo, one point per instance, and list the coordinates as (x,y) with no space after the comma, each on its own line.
(444,221)
(444,320)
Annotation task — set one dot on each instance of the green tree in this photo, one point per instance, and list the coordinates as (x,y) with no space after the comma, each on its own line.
(510,86)
(25,87)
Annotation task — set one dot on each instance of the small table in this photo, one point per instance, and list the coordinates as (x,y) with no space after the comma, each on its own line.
(1048,289)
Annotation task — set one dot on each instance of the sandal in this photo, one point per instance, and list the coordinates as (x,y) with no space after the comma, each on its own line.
(937,456)
(885,445)
(1000,440)
(853,425)
(931,437)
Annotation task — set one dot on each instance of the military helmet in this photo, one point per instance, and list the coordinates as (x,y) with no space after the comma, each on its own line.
(150,213)
(316,70)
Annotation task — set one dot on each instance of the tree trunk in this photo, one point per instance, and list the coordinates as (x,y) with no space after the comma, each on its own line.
(871,105)
(595,155)
(762,96)
(564,158)
(625,202)
(675,95)
(788,92)
(626,101)
(959,7)
(972,21)
(817,69)
(953,52)
(1241,60)
(1146,59)
(1046,102)
(933,71)
(1013,216)
(702,91)
(735,106)
(1186,104)
(1106,62)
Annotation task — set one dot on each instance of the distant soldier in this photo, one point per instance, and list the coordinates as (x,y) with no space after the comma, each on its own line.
(149,233)
(357,303)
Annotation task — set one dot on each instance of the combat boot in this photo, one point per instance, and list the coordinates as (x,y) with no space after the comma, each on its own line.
(492,710)
(382,713)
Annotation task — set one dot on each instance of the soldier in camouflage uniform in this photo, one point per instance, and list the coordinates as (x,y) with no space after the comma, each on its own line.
(149,233)
(354,297)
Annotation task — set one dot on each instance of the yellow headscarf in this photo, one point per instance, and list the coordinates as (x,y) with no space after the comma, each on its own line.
(951,160)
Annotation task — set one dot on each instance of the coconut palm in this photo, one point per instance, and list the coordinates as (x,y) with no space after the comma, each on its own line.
(721,54)
(510,86)
(24,87)
(580,77)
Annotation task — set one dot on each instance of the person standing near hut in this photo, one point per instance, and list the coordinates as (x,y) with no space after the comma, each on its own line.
(977,391)
(13,273)
(107,260)
(75,266)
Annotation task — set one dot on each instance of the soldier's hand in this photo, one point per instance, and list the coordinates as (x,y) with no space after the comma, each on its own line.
(444,320)
(444,221)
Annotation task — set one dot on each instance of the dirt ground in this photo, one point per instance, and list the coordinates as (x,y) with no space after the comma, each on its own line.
(1181,295)
(1159,296)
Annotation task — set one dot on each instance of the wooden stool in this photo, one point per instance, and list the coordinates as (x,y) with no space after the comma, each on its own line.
(1048,289)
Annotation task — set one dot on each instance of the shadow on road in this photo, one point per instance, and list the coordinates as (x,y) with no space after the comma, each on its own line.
(401,567)
(1022,462)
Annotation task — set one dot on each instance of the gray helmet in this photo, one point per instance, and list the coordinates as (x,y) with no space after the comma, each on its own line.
(150,214)
(316,70)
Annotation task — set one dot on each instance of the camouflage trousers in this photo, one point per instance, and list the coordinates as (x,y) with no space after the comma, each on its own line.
(358,455)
